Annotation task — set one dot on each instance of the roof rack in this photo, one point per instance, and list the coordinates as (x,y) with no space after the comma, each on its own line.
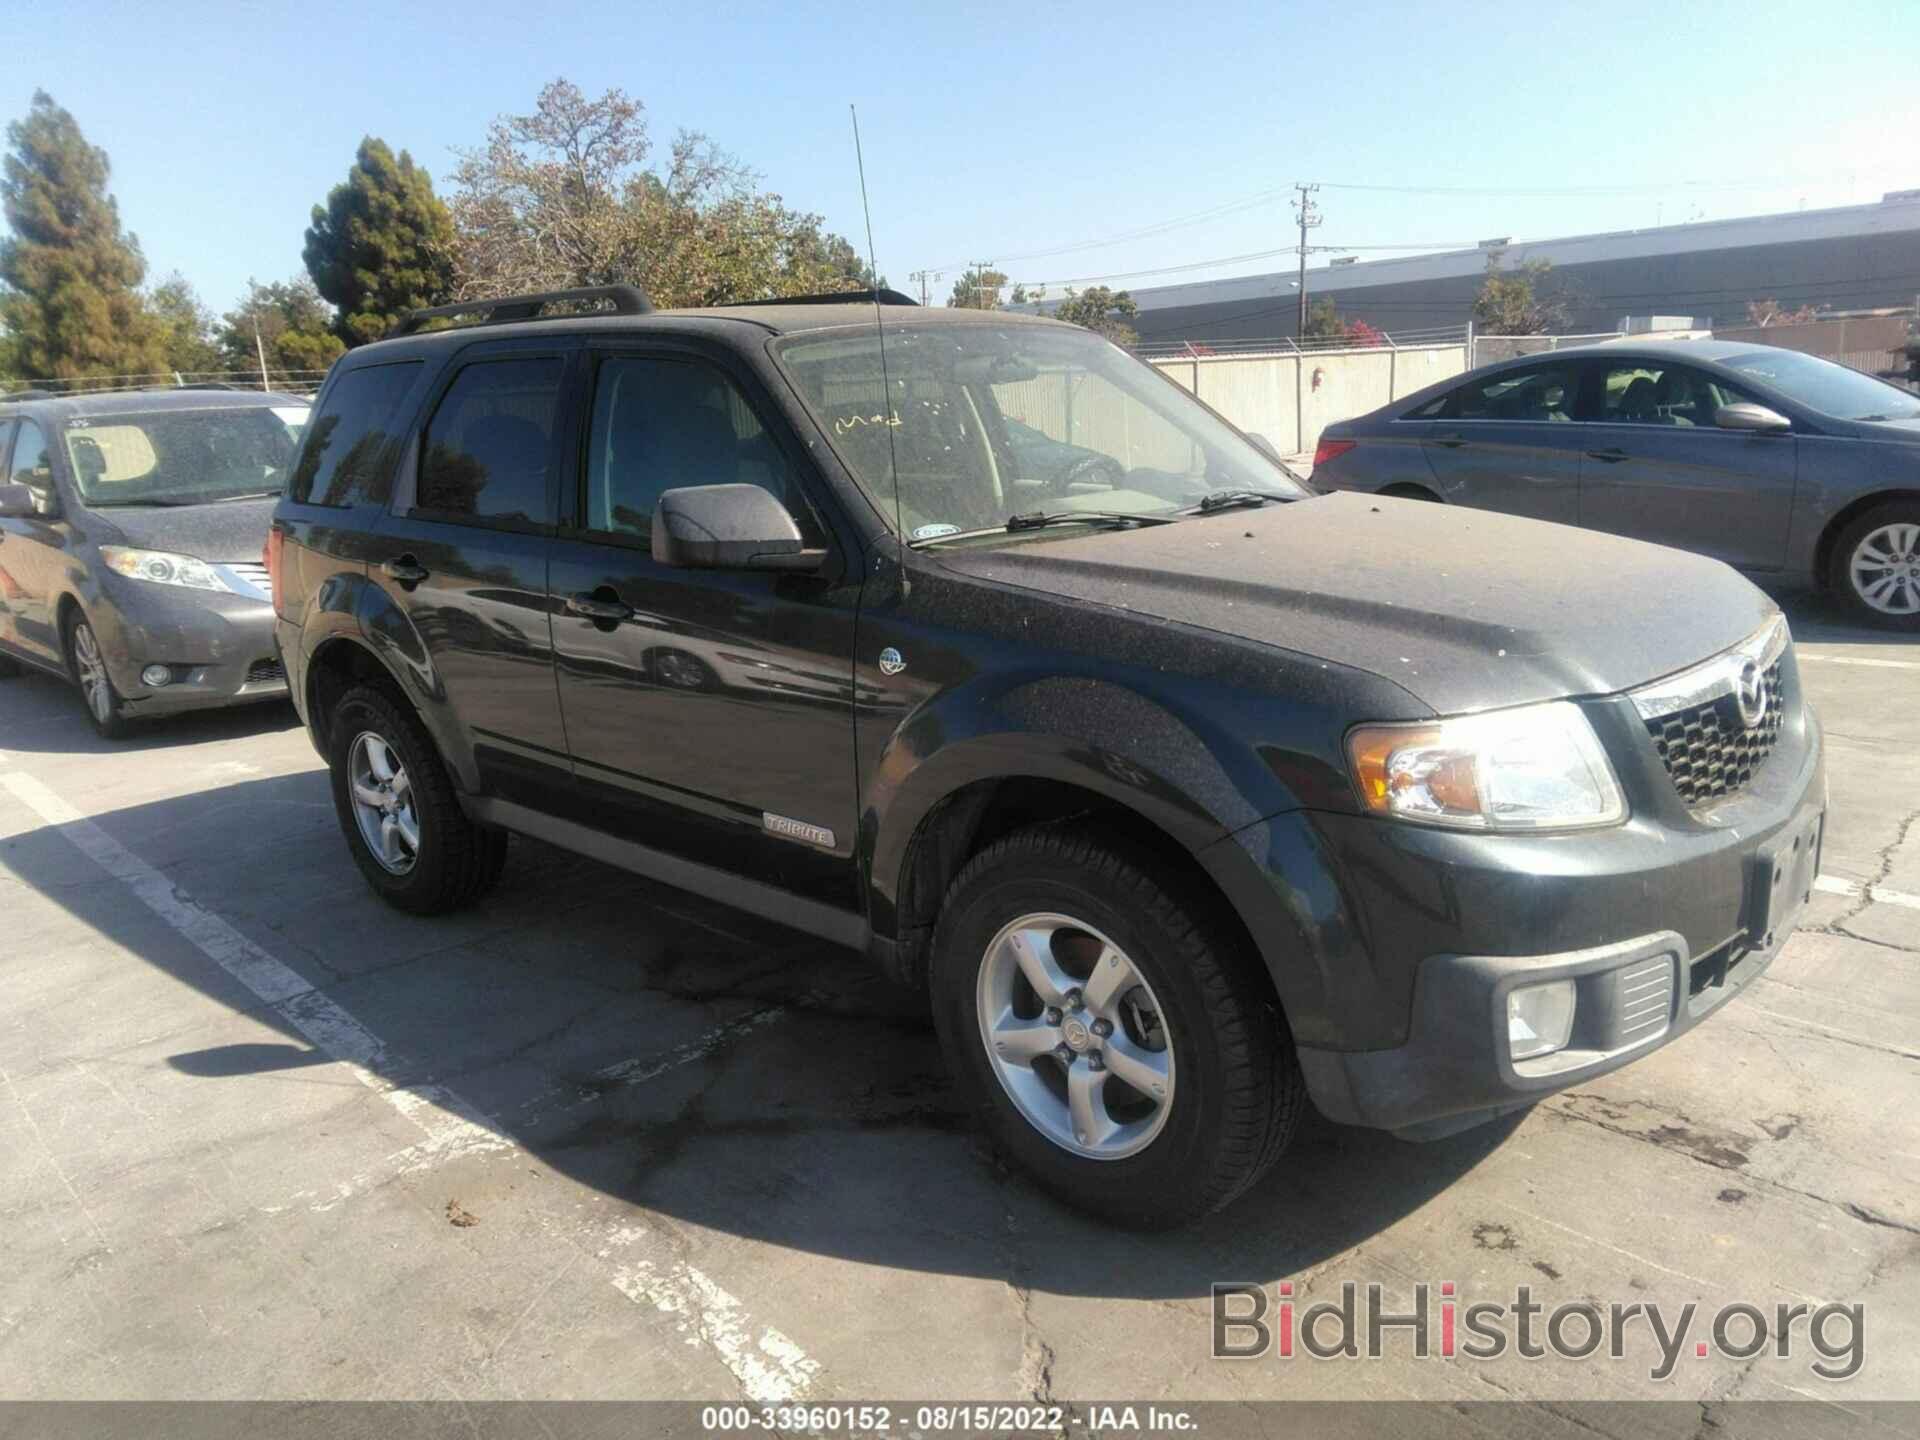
(625,299)
(838,297)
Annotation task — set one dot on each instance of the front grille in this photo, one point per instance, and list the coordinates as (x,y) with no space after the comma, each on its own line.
(264,670)
(1708,751)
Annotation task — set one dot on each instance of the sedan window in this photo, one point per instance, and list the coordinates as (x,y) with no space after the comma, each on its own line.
(1543,393)
(1643,392)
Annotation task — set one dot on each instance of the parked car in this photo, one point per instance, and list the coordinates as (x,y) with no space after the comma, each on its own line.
(1186,800)
(131,531)
(1787,466)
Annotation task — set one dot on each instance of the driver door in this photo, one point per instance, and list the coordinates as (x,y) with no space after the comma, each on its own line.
(33,549)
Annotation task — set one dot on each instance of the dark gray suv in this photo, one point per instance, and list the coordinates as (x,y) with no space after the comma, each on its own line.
(1183,794)
(132,526)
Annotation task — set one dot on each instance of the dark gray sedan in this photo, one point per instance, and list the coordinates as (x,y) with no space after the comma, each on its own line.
(132,527)
(1781,464)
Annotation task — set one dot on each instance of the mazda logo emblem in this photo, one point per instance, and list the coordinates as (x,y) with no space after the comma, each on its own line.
(1750,693)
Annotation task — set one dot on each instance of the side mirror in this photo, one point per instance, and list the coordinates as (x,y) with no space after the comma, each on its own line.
(17,500)
(1748,416)
(728,527)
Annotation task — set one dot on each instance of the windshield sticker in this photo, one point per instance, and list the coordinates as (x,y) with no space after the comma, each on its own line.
(934,532)
(853,422)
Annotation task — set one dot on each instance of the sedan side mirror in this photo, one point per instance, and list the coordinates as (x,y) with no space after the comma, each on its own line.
(1747,416)
(17,500)
(728,527)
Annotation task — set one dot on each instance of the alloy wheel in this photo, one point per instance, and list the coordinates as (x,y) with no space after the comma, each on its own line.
(95,688)
(1885,569)
(383,803)
(1075,1036)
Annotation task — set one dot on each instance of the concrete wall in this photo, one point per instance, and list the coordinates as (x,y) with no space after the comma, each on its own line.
(1290,398)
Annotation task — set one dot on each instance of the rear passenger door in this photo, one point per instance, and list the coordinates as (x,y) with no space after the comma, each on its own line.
(463,554)
(1507,442)
(709,713)
(1657,467)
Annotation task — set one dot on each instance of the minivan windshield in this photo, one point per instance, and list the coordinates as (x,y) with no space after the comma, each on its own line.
(1824,386)
(986,422)
(181,456)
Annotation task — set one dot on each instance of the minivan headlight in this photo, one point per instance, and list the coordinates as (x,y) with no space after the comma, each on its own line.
(1535,768)
(162,568)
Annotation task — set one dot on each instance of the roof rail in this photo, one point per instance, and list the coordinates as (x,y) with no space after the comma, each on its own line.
(625,299)
(838,297)
(27,395)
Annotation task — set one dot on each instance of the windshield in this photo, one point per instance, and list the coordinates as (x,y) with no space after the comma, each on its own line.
(988,422)
(1824,386)
(182,457)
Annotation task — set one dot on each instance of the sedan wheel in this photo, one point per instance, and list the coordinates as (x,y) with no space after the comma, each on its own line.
(1075,1036)
(1884,569)
(383,803)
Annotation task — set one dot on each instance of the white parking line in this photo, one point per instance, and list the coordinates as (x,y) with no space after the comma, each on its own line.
(1854,889)
(770,1368)
(1859,660)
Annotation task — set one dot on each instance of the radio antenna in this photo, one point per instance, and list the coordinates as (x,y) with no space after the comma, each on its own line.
(887,412)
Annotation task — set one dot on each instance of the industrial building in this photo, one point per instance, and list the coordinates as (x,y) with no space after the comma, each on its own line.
(1850,258)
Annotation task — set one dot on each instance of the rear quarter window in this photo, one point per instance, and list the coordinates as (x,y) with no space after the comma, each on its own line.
(353,441)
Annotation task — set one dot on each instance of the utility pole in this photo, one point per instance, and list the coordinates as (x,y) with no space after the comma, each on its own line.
(980,268)
(1309,216)
(922,276)
(260,350)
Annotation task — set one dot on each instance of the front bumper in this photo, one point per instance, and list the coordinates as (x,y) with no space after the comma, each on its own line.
(1657,924)
(219,647)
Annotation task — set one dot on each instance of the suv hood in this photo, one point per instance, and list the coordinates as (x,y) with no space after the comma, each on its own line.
(221,532)
(1465,609)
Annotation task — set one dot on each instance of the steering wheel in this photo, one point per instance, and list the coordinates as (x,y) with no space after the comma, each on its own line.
(1093,470)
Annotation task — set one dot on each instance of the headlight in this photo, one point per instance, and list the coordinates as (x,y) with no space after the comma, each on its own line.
(1536,768)
(162,568)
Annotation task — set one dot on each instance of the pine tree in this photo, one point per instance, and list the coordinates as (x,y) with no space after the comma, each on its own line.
(72,304)
(382,244)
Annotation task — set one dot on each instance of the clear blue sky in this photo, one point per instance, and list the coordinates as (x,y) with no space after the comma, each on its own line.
(1001,129)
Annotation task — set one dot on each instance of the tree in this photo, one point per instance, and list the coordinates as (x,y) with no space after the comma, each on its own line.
(186,327)
(1512,302)
(1103,311)
(382,244)
(296,327)
(71,304)
(1766,313)
(1323,320)
(977,289)
(567,196)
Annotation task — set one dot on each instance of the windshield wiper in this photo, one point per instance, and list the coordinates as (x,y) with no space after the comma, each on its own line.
(1233,499)
(1040,518)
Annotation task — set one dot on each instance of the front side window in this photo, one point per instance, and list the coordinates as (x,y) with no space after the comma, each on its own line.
(488,450)
(663,424)
(973,424)
(1641,392)
(1543,393)
(30,465)
(178,456)
(351,447)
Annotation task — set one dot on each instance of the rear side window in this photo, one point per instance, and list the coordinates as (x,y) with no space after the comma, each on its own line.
(489,447)
(351,445)
(1542,394)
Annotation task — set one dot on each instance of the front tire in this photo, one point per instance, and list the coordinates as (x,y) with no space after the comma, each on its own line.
(1876,566)
(88,667)
(1129,1056)
(397,807)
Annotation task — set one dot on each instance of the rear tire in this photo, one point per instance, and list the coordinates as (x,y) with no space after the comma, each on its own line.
(398,809)
(1224,1062)
(1875,566)
(88,667)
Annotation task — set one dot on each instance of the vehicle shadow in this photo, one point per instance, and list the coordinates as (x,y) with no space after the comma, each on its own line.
(44,714)
(1819,619)
(679,1056)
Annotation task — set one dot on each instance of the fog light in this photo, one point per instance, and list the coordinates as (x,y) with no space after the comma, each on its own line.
(1539,1018)
(157,675)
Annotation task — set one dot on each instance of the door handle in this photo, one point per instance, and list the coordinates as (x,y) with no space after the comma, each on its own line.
(404,568)
(1612,457)
(1452,442)
(593,607)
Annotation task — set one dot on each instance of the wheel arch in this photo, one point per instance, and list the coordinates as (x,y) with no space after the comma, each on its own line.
(1823,553)
(343,659)
(1411,490)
